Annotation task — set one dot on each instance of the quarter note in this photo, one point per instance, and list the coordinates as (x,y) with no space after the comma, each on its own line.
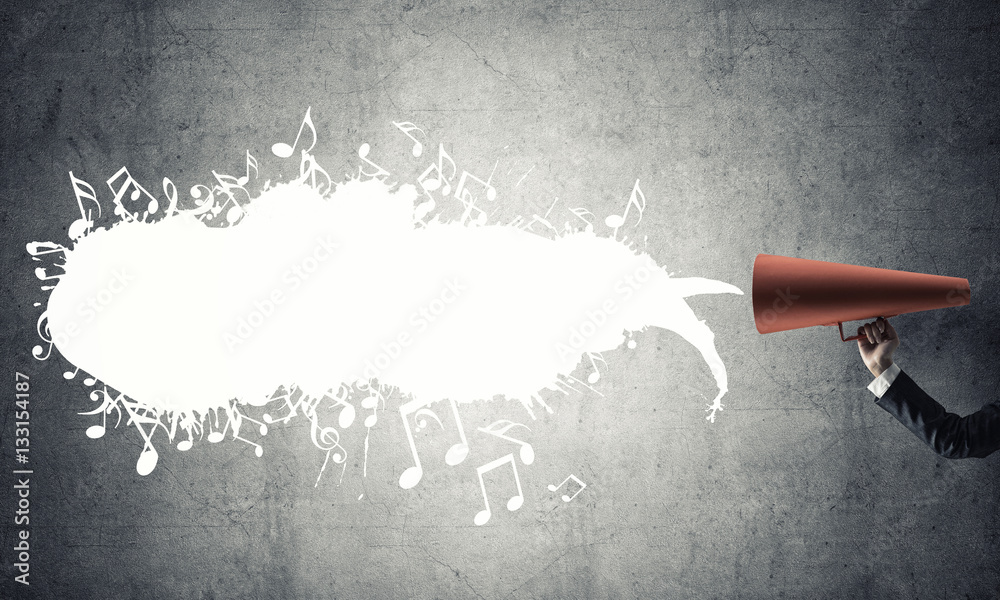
(185,445)
(515,501)
(370,403)
(283,150)
(411,476)
(96,431)
(457,453)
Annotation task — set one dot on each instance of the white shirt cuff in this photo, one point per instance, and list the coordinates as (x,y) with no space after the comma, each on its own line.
(883,381)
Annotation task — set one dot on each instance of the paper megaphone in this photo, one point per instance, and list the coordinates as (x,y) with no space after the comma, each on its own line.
(789,293)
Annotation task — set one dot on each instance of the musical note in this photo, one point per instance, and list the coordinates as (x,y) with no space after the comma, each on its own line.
(327,438)
(420,418)
(237,419)
(204,205)
(638,199)
(170,191)
(185,445)
(83,191)
(515,501)
(466,198)
(96,431)
(580,212)
(251,164)
(441,180)
(107,405)
(287,397)
(44,334)
(308,168)
(595,376)
(283,150)
(501,427)
(370,403)
(363,152)
(411,476)
(406,127)
(567,497)
(137,191)
(148,457)
(214,436)
(457,453)
(347,412)
(226,185)
(258,449)
(36,249)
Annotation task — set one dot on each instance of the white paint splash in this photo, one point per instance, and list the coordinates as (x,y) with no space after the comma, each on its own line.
(312,294)
(322,293)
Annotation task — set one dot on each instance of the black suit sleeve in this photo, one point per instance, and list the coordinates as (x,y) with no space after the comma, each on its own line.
(951,436)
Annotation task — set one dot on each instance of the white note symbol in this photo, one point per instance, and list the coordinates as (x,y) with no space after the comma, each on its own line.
(83,191)
(500,429)
(638,199)
(283,150)
(515,501)
(567,497)
(406,127)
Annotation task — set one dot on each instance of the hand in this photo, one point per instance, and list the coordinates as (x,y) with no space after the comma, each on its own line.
(877,343)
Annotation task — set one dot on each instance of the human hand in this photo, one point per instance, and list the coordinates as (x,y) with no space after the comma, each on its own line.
(877,343)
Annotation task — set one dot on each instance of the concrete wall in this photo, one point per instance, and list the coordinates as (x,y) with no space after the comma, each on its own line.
(858,132)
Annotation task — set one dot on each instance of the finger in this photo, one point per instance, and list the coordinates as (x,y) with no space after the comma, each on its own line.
(877,333)
(890,330)
(862,340)
(869,333)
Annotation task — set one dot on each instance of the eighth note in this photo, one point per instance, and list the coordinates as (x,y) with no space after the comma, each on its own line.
(638,199)
(567,497)
(406,127)
(283,150)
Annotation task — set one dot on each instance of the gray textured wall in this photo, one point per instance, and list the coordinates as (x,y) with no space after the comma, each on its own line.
(858,132)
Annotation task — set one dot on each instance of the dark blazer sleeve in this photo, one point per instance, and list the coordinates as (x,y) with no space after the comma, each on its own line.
(951,436)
